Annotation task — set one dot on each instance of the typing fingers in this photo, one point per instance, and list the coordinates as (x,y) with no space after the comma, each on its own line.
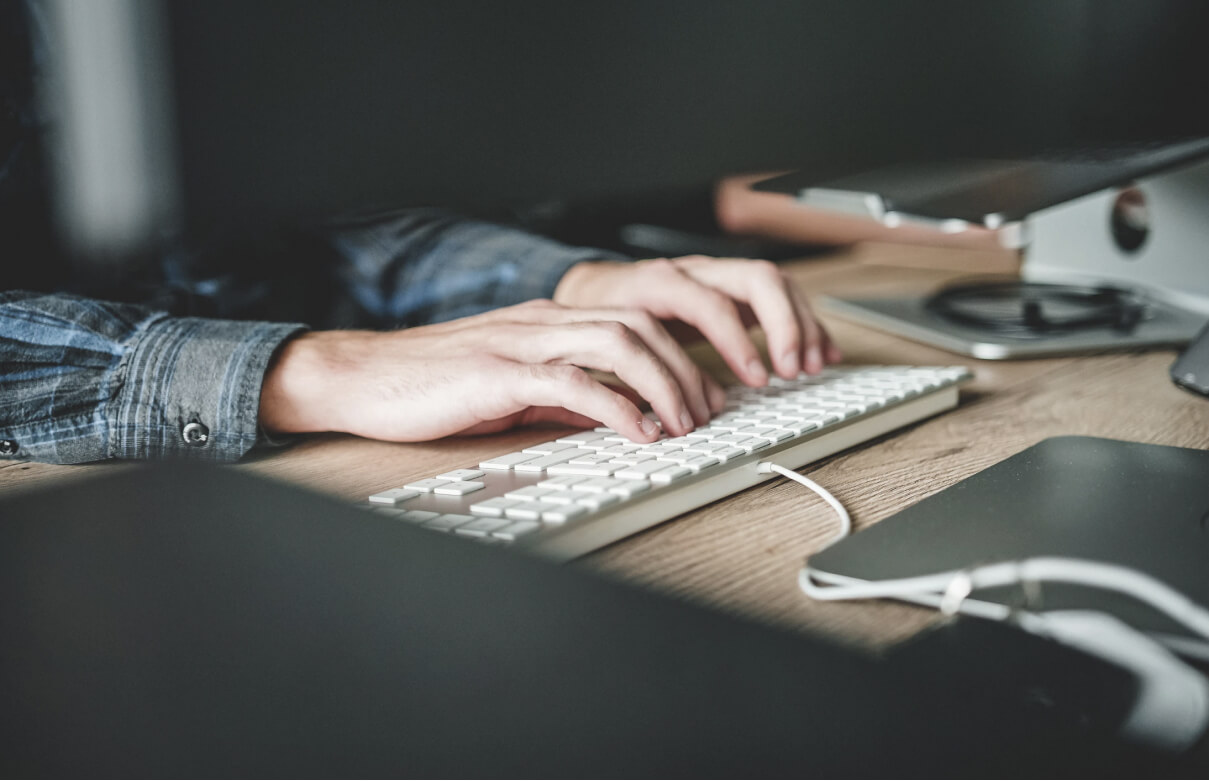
(606,345)
(701,393)
(570,388)
(795,339)
(674,294)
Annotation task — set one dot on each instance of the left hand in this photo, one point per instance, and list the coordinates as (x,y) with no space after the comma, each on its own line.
(719,297)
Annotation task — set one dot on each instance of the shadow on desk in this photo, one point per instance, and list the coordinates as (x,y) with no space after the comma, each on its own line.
(188,620)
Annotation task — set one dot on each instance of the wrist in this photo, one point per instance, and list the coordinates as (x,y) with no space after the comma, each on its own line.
(575,286)
(301,388)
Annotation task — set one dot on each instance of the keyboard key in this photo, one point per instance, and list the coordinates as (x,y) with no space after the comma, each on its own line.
(506,462)
(444,523)
(731,452)
(548,448)
(526,511)
(516,530)
(641,471)
(630,488)
(418,516)
(458,488)
(563,481)
(561,513)
(479,527)
(393,496)
(461,474)
(700,462)
(584,436)
(541,463)
(705,448)
(620,450)
(591,458)
(597,484)
(530,493)
(426,486)
(588,470)
(561,497)
(494,507)
(670,474)
(389,512)
(631,459)
(596,501)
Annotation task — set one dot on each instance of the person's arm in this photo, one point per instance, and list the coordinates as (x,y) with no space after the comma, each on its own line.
(423,266)
(85,380)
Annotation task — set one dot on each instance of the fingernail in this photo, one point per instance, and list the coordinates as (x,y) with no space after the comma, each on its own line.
(755,370)
(648,426)
(790,362)
(814,360)
(686,421)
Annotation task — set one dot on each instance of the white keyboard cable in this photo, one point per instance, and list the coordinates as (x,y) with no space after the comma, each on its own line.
(1171,710)
(824,494)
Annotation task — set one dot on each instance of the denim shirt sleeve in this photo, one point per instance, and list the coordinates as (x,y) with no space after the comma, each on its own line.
(84,380)
(421,266)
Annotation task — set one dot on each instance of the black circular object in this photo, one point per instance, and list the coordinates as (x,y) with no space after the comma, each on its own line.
(1037,309)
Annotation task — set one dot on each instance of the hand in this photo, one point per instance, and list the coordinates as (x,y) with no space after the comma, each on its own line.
(721,299)
(510,367)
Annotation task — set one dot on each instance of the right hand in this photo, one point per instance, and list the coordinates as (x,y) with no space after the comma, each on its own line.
(509,367)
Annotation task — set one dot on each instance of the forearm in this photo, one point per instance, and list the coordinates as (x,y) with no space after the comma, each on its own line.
(418,267)
(85,380)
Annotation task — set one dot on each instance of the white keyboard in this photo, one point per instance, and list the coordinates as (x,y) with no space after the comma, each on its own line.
(580,492)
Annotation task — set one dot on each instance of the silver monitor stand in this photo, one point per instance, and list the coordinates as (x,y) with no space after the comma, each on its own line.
(1151,237)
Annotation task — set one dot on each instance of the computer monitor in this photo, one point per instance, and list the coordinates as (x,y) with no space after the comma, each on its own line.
(190,114)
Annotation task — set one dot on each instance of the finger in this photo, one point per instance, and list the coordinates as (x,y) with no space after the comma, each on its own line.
(654,335)
(714,394)
(687,374)
(712,313)
(572,389)
(768,294)
(820,350)
(789,329)
(608,346)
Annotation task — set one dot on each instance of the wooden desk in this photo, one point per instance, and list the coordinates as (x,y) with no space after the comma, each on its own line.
(742,554)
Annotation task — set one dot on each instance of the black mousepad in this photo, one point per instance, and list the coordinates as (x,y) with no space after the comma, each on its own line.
(1141,506)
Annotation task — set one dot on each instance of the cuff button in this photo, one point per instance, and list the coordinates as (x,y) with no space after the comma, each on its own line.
(9,447)
(195,434)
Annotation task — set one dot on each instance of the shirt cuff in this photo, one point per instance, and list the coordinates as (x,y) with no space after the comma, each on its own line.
(190,388)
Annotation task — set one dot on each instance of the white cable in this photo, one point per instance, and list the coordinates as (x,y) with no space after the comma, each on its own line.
(1171,710)
(824,494)
(1094,574)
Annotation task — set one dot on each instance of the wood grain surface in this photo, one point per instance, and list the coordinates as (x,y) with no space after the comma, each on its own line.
(742,554)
